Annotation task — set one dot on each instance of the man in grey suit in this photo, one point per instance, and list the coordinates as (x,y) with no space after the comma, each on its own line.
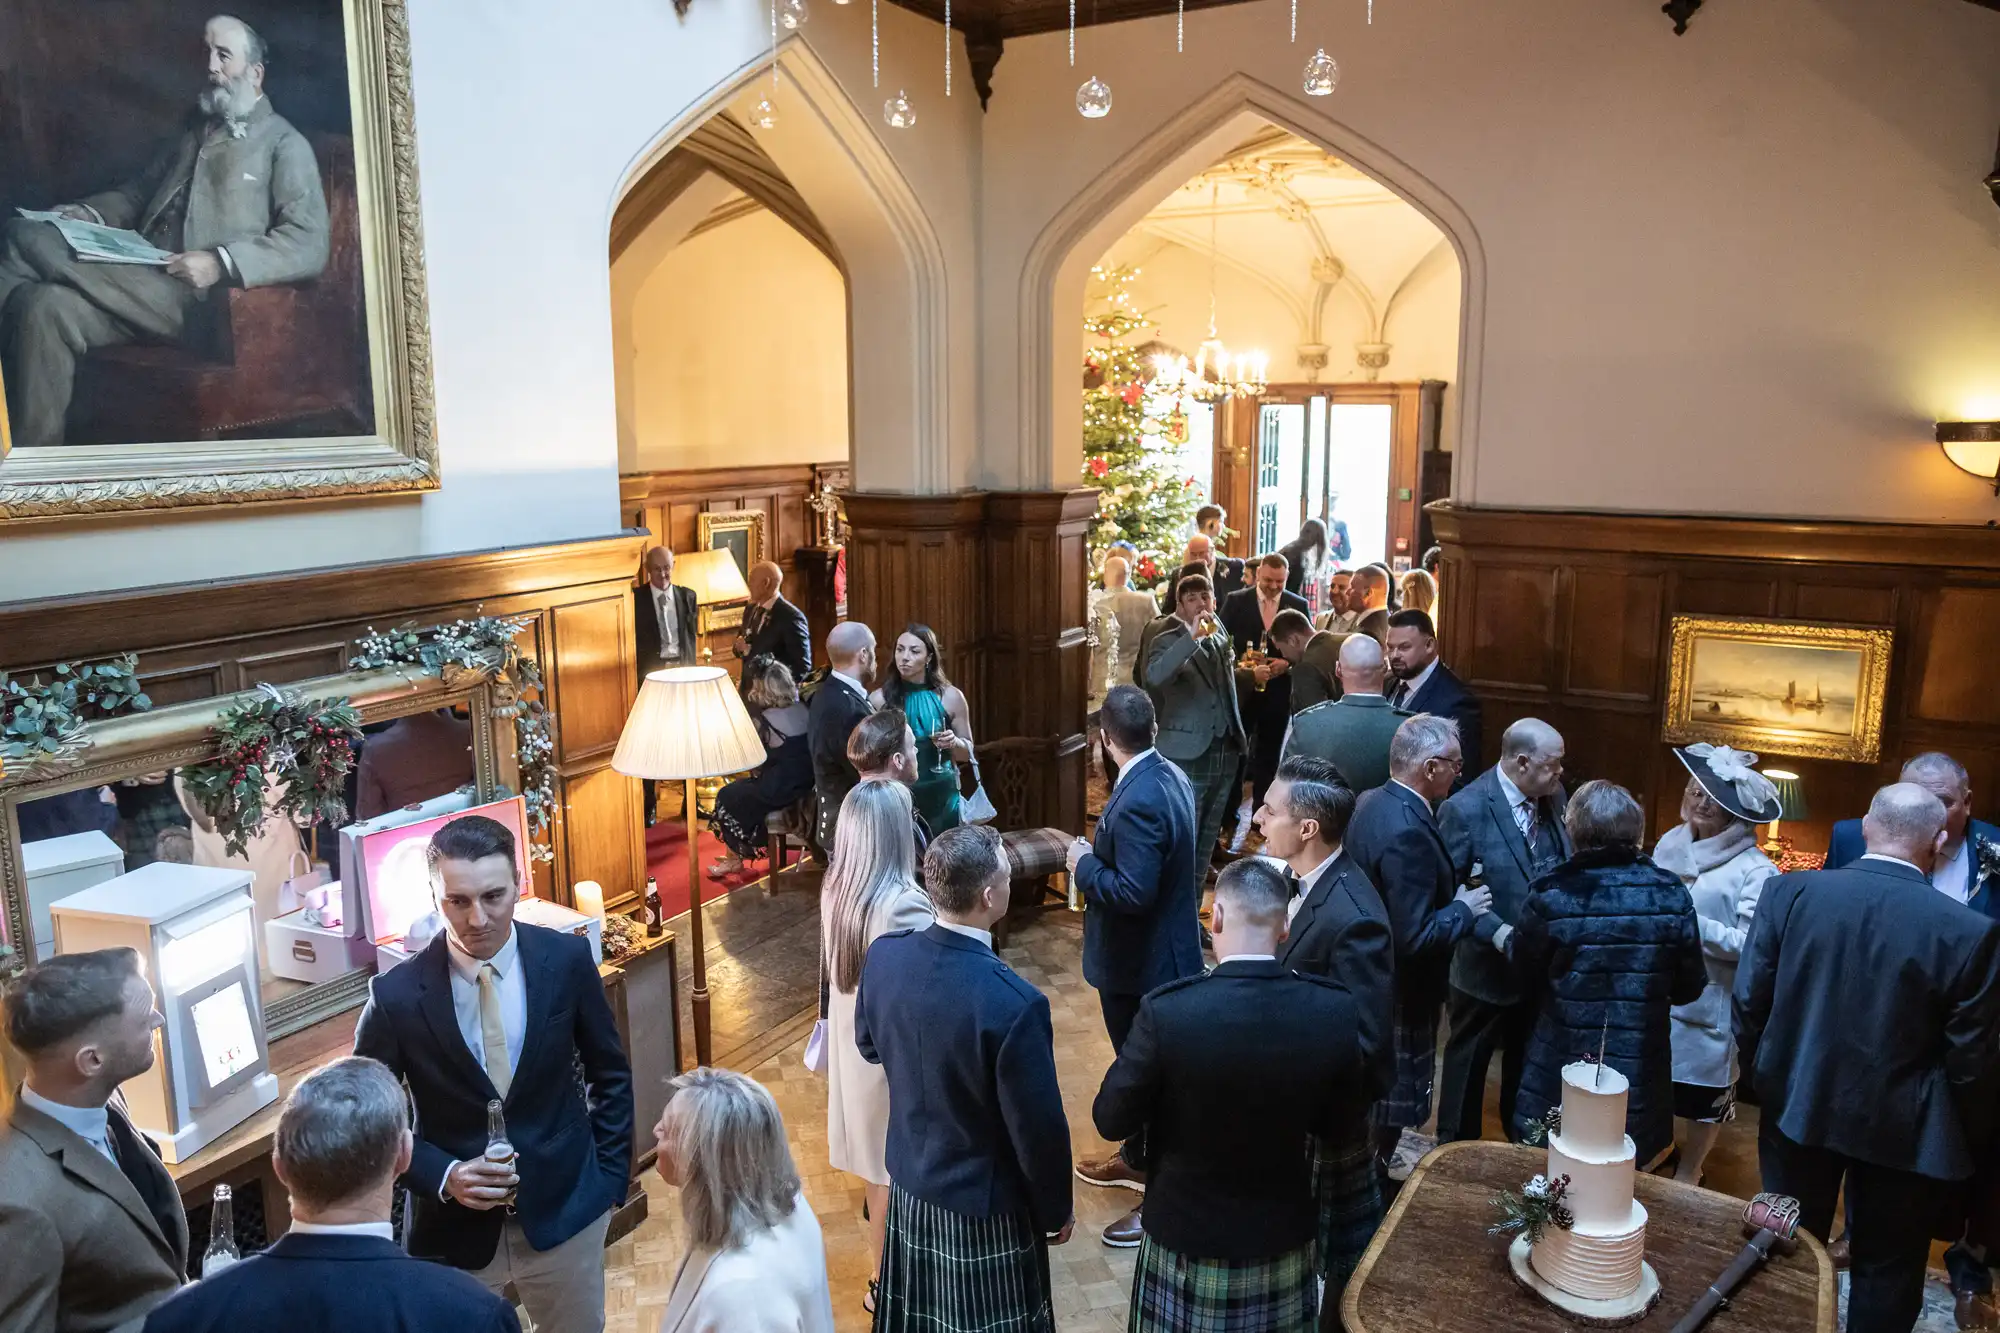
(1353,732)
(91,1226)
(1509,822)
(1191,674)
(666,628)
(235,199)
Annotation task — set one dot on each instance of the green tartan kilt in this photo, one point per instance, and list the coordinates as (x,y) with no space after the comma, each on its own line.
(944,1272)
(1172,1293)
(1348,1186)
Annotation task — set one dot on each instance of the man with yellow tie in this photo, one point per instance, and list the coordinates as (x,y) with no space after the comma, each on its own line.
(498,1010)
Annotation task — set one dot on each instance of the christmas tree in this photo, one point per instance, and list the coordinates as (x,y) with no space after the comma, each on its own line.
(1147,500)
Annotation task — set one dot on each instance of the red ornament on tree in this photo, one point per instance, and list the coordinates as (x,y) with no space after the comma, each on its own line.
(1099,466)
(1148,568)
(1132,393)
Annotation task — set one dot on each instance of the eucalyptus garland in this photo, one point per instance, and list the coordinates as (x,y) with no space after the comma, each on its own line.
(485,643)
(304,747)
(42,721)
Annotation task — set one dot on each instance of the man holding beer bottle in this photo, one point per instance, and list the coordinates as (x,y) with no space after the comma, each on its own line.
(1191,673)
(495,1010)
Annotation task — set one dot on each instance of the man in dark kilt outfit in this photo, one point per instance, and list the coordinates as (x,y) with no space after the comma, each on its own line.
(978,1150)
(1234,1074)
(1340,931)
(1394,839)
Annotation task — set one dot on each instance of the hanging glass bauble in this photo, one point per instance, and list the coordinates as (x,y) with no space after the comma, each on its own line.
(763,115)
(1093,100)
(1322,74)
(898,111)
(793,14)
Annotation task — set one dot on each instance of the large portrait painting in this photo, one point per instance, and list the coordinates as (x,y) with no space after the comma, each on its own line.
(211,263)
(1779,687)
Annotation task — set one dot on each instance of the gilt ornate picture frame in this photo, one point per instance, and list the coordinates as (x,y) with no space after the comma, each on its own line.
(281,349)
(1778,686)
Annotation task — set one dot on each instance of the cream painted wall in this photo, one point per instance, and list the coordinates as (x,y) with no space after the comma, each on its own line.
(1740,271)
(738,352)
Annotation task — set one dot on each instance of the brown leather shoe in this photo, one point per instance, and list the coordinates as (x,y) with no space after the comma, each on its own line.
(1976,1309)
(1836,1250)
(1111,1170)
(1125,1233)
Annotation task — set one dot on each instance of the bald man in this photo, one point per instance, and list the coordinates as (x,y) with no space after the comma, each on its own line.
(1865,1008)
(1353,732)
(1368,601)
(235,199)
(665,632)
(1509,822)
(772,626)
(837,707)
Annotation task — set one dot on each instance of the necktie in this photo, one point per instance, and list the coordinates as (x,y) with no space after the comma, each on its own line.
(1524,815)
(1402,694)
(493,1032)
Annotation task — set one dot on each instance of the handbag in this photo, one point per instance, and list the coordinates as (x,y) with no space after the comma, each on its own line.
(978,807)
(816,1043)
(299,882)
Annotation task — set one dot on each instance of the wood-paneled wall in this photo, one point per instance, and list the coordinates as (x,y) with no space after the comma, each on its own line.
(204,639)
(1565,617)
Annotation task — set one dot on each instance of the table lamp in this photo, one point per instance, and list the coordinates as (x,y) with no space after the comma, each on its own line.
(715,579)
(1791,803)
(689,723)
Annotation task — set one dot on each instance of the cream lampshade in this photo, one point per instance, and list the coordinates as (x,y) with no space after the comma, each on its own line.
(689,723)
(714,577)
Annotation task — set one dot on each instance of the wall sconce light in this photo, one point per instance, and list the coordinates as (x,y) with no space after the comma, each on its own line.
(1973,446)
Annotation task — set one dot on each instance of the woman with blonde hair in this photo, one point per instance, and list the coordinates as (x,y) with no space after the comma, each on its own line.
(756,1261)
(783,780)
(871,888)
(1419,592)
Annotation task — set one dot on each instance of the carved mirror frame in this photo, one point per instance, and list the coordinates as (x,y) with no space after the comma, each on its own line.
(182,734)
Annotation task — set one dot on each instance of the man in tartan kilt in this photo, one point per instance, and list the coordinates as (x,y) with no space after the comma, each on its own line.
(1339,930)
(978,1149)
(1234,1074)
(1394,839)
(1190,673)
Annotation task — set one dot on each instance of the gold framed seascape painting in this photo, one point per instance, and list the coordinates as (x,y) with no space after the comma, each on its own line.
(1778,686)
(211,256)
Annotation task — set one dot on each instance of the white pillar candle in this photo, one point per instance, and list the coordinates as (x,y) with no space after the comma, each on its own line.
(590,898)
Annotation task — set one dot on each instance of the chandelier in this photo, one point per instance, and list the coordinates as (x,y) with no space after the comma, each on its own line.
(1215,373)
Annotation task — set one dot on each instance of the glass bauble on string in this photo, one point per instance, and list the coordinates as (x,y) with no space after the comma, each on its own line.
(898,112)
(763,115)
(1093,100)
(792,14)
(1322,74)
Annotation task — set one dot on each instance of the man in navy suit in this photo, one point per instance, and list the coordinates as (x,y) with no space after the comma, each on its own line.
(342,1140)
(497,1010)
(1265,692)
(1140,881)
(837,706)
(978,1147)
(1958,874)
(1394,839)
(772,626)
(1424,684)
(1509,822)
(1865,1010)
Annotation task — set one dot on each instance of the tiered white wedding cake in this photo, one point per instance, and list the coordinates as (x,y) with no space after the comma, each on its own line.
(1601,1257)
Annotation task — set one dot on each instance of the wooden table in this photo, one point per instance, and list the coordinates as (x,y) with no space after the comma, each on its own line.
(1433,1269)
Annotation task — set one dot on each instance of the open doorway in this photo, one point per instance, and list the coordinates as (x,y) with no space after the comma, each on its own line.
(1323,313)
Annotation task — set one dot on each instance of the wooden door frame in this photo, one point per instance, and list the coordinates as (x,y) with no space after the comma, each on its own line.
(1235,463)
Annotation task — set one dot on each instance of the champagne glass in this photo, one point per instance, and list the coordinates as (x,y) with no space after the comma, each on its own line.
(941,739)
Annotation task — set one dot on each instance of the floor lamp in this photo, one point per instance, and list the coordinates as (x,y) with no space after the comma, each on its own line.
(689,723)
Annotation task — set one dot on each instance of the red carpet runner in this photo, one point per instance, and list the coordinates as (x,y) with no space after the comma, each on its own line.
(666,861)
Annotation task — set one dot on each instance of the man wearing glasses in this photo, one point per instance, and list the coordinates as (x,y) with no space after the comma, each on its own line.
(1394,839)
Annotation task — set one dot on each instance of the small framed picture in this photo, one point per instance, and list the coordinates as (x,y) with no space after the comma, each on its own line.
(1778,686)
(737,531)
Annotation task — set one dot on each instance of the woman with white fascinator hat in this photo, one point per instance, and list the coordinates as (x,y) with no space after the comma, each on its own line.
(1714,851)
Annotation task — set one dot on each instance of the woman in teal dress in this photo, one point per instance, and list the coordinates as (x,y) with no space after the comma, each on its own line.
(938,718)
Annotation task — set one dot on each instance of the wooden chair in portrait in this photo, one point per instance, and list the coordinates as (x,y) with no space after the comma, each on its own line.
(284,360)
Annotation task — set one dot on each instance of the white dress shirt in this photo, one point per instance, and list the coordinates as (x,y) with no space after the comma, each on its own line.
(1953,878)
(1247,958)
(1306,883)
(1127,767)
(1407,690)
(379,1230)
(851,683)
(985,937)
(513,991)
(1414,792)
(1892,860)
(669,620)
(1522,807)
(92,1124)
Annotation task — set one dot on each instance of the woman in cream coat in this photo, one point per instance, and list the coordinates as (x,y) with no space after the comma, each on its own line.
(755,1262)
(870,889)
(1714,852)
